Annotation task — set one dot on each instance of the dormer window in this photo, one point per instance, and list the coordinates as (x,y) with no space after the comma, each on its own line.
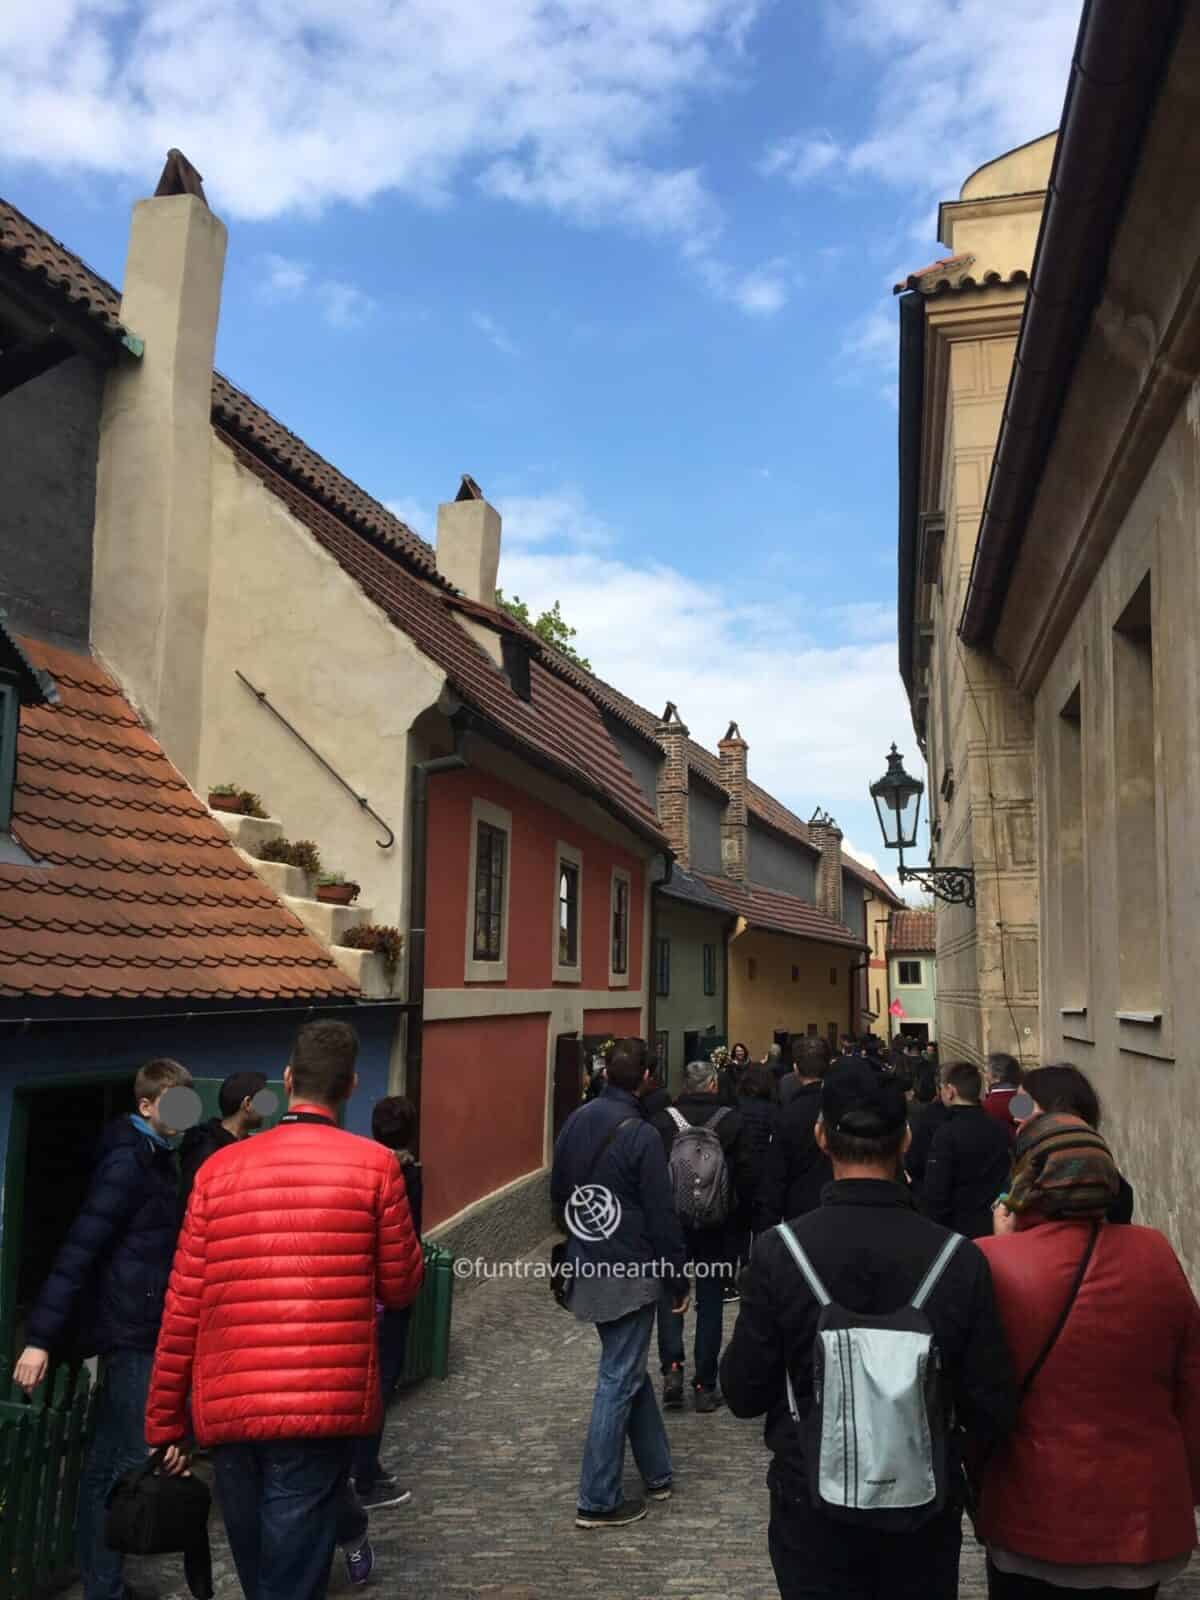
(21,684)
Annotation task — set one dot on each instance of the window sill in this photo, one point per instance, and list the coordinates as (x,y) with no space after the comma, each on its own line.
(618,980)
(1072,1011)
(567,975)
(1141,1019)
(486,972)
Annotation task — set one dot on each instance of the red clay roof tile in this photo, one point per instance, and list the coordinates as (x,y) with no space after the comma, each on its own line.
(912,930)
(138,893)
(780,913)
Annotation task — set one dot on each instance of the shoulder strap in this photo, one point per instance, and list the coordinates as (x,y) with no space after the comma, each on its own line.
(717,1115)
(930,1281)
(1077,1284)
(608,1139)
(677,1117)
(801,1259)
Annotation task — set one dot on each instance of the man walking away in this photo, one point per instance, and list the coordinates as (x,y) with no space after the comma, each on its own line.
(710,1167)
(797,1169)
(870,1253)
(104,1296)
(609,1150)
(968,1159)
(238,1119)
(1004,1081)
(289,1241)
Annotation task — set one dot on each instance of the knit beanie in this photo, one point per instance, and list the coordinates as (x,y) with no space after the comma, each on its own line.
(1062,1169)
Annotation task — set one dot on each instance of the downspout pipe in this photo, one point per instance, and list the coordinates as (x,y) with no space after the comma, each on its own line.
(657,885)
(421,773)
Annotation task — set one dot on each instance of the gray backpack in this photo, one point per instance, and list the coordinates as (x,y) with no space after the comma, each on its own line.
(699,1176)
(877,1427)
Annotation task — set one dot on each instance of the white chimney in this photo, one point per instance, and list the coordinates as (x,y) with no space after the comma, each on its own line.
(152,546)
(468,543)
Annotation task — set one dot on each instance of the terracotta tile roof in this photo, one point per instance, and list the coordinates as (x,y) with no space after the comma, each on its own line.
(912,930)
(139,893)
(872,880)
(557,722)
(34,251)
(951,275)
(780,913)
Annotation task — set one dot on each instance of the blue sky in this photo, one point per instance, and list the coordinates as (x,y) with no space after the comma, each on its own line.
(627,262)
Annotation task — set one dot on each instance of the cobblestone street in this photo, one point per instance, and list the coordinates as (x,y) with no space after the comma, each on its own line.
(492,1456)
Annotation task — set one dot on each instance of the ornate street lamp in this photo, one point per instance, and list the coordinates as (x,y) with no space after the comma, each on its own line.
(897,798)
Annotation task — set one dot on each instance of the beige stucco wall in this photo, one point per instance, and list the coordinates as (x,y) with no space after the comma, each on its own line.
(1145,1074)
(772,999)
(284,612)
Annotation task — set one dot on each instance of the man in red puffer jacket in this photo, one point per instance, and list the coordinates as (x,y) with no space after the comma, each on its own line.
(289,1240)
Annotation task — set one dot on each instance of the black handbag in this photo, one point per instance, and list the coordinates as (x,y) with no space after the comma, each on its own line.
(152,1514)
(562,1278)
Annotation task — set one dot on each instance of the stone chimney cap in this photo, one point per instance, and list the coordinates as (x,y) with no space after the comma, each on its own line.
(468,489)
(179,176)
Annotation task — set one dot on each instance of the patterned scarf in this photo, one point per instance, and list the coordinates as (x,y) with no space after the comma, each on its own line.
(1062,1169)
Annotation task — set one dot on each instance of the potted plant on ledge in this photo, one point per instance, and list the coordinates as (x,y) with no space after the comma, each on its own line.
(333,889)
(225,797)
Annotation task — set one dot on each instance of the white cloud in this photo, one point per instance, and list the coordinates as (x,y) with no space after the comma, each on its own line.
(561,516)
(959,82)
(759,293)
(288,109)
(494,333)
(342,304)
(819,712)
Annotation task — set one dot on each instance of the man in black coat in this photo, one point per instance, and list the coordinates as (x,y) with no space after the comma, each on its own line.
(796,1169)
(104,1296)
(709,1250)
(238,1118)
(871,1251)
(969,1158)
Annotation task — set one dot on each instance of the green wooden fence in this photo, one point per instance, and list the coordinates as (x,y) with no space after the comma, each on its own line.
(42,1445)
(427,1354)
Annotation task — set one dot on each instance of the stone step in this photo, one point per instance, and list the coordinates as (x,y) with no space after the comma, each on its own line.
(249,833)
(327,923)
(284,880)
(369,971)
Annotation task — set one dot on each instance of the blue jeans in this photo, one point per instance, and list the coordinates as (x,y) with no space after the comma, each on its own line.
(393,1340)
(118,1443)
(281,1504)
(624,1404)
(708,1295)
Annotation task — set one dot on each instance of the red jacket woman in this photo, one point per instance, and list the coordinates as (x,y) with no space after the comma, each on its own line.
(1103,1468)
(290,1238)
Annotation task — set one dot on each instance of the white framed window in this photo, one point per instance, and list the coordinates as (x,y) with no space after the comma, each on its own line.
(487,893)
(621,898)
(909,974)
(568,913)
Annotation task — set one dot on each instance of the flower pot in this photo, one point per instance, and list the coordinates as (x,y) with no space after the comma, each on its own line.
(337,894)
(226,802)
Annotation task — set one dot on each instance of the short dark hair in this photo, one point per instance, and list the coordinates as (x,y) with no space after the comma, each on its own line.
(628,1064)
(237,1087)
(965,1077)
(757,1083)
(322,1063)
(158,1075)
(812,1057)
(1004,1069)
(394,1121)
(1063,1087)
(881,1150)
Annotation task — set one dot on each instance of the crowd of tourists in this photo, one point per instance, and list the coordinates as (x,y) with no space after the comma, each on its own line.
(247,1297)
(942,1308)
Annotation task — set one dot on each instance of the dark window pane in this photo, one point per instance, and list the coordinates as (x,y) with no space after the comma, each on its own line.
(568,914)
(490,855)
(620,929)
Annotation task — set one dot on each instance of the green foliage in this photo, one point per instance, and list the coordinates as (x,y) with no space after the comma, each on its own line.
(329,879)
(551,626)
(388,941)
(303,854)
(225,788)
(252,804)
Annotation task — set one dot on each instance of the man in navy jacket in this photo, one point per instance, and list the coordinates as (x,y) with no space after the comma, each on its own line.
(104,1296)
(610,1184)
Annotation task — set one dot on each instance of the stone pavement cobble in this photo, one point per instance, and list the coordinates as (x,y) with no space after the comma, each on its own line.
(492,1456)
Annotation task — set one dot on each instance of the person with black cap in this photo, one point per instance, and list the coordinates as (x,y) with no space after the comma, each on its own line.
(872,1255)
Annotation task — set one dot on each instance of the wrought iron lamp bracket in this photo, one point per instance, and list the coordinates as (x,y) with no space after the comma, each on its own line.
(954,885)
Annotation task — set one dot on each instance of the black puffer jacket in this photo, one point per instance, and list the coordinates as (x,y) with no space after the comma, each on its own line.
(795,1171)
(106,1288)
(200,1142)
(760,1122)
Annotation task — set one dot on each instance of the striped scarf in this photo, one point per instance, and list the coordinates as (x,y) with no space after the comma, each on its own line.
(1062,1168)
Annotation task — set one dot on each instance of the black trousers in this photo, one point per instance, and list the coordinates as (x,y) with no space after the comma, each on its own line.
(1009,1586)
(818,1558)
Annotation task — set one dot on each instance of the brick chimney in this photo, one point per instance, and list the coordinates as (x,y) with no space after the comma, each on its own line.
(735,845)
(468,543)
(153,534)
(824,832)
(672,799)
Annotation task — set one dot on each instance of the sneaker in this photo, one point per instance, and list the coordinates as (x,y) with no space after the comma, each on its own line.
(619,1517)
(661,1491)
(360,1563)
(708,1399)
(383,1493)
(673,1388)
(729,1294)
